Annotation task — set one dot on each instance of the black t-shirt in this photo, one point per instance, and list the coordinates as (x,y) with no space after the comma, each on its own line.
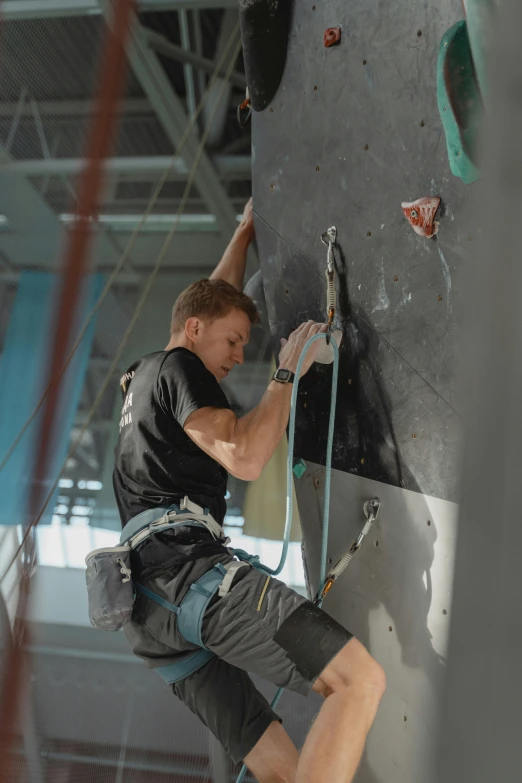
(156,463)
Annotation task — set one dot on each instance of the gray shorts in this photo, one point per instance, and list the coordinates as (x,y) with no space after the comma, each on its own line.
(261,626)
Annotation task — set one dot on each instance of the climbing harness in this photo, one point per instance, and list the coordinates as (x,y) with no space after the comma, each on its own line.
(329,238)
(159,519)
(189,620)
(371,512)
(111,597)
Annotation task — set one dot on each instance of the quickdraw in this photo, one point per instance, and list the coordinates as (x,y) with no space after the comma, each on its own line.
(371,512)
(329,238)
(244,111)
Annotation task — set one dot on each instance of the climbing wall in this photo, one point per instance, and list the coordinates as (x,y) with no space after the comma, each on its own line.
(352,132)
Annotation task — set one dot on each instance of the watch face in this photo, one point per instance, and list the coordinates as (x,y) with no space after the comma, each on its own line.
(284,375)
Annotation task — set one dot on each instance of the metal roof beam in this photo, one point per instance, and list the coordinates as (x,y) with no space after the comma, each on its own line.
(190,82)
(40,9)
(160,44)
(229,21)
(228,166)
(41,239)
(43,235)
(187,251)
(171,114)
(71,109)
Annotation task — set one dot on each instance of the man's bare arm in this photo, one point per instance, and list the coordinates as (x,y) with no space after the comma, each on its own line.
(232,265)
(244,446)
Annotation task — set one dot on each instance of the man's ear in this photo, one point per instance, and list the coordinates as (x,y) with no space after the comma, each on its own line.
(193,329)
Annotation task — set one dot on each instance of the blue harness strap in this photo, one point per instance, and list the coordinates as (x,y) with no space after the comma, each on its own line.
(175,672)
(157,518)
(157,598)
(192,608)
(190,615)
(195,603)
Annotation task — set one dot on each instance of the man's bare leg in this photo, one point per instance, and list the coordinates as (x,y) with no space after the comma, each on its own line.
(353,685)
(274,758)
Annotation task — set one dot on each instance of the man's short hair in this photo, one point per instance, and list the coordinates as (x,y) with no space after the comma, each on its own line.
(210,300)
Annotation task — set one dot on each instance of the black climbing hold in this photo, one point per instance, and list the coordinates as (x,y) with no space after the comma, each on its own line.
(264,29)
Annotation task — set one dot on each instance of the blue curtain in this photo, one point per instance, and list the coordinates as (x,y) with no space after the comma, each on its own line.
(23,378)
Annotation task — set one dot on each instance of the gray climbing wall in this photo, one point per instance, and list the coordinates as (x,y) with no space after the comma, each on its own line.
(353,131)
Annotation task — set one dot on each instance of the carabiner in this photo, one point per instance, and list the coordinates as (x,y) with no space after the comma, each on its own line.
(244,112)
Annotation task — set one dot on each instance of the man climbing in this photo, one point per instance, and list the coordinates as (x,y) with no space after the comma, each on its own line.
(178,438)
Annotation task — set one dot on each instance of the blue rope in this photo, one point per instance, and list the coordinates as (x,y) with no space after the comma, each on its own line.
(254,559)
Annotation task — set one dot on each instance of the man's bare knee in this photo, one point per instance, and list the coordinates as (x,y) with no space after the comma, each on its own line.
(352,666)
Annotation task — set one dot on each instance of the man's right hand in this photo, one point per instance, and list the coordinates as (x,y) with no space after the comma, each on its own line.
(291,349)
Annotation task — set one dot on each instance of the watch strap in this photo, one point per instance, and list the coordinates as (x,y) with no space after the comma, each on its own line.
(282,375)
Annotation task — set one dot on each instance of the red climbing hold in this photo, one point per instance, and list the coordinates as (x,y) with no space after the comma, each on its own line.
(421,215)
(332,36)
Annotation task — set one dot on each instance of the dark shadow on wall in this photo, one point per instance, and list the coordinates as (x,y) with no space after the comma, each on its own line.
(365,442)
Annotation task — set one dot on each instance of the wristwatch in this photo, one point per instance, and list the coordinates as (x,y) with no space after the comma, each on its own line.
(283,376)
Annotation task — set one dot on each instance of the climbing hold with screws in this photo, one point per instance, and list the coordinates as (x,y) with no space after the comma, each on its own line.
(421,215)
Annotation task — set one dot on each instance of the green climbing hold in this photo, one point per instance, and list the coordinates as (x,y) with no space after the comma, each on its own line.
(481,18)
(460,102)
(299,468)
